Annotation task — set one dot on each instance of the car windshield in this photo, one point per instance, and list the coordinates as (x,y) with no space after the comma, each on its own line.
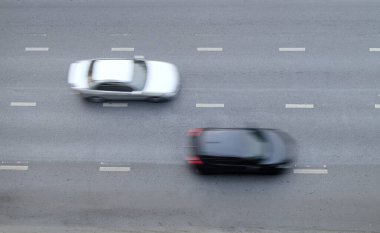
(139,76)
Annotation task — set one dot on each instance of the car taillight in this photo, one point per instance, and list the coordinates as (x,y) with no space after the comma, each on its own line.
(194,160)
(194,132)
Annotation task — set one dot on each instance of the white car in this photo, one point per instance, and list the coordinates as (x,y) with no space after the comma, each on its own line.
(99,80)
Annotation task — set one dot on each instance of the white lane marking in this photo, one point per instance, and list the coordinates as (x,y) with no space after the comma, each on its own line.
(210,49)
(122,49)
(36,49)
(23,104)
(206,34)
(377,105)
(35,34)
(292,49)
(114,169)
(299,105)
(203,105)
(14,168)
(119,34)
(374,49)
(115,105)
(291,34)
(310,171)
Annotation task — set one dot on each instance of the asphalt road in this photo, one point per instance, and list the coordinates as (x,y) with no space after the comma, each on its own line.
(62,141)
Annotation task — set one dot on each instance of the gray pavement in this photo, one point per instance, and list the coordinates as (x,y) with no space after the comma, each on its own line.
(64,139)
(79,195)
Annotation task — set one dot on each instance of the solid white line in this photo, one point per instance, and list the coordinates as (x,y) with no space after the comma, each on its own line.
(377,105)
(299,105)
(292,49)
(14,168)
(114,169)
(122,49)
(374,49)
(23,104)
(210,49)
(36,49)
(115,105)
(202,105)
(310,171)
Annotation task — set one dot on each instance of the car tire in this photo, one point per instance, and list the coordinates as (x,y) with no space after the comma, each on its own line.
(272,171)
(95,99)
(156,99)
(202,171)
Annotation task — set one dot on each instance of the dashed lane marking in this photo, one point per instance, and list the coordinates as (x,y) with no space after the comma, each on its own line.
(36,49)
(210,49)
(23,104)
(310,171)
(115,105)
(122,49)
(119,34)
(206,34)
(114,169)
(377,105)
(35,34)
(299,105)
(374,49)
(203,105)
(14,168)
(291,34)
(292,49)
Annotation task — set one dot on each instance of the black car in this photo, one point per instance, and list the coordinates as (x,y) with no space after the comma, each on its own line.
(238,149)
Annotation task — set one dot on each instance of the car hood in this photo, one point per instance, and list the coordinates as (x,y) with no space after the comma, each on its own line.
(278,152)
(78,73)
(162,78)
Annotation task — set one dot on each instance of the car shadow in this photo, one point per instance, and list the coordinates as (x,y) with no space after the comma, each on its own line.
(241,172)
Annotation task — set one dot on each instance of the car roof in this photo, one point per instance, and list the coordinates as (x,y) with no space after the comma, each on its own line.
(112,70)
(229,142)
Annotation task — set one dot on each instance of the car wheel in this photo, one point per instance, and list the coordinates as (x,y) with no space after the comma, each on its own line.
(272,171)
(95,99)
(202,171)
(156,99)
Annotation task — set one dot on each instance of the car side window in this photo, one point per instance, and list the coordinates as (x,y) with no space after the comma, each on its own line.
(106,87)
(125,88)
(114,87)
